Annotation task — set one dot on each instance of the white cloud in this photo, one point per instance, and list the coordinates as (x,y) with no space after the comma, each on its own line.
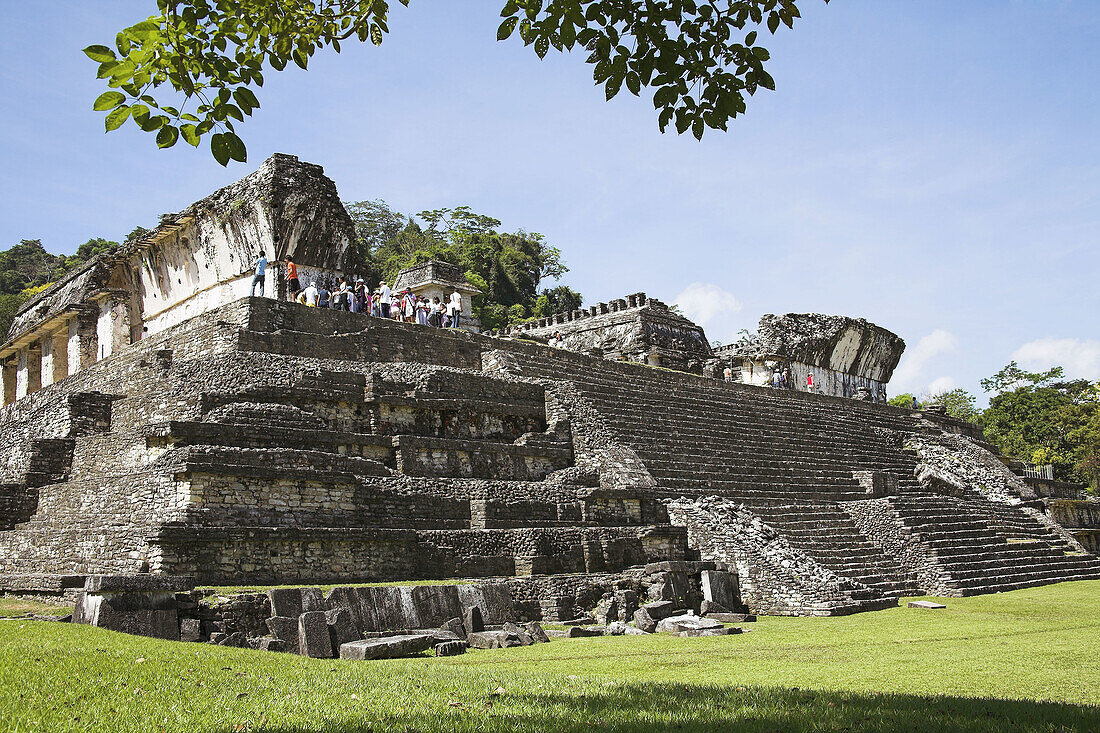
(706,302)
(910,375)
(941,385)
(1080,357)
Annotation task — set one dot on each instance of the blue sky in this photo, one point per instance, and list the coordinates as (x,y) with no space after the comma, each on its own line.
(930,166)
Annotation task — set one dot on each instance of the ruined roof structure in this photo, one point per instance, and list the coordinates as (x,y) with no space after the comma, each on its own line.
(248,440)
(845,356)
(634,328)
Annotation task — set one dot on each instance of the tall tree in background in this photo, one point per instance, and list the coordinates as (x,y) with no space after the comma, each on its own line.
(192,69)
(1042,418)
(507,267)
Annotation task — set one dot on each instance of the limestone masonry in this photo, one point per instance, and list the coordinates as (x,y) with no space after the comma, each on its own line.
(158,423)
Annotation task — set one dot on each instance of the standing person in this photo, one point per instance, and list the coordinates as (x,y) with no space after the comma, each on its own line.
(408,306)
(915,405)
(343,296)
(810,382)
(258,278)
(309,296)
(384,296)
(777,380)
(292,283)
(422,311)
(727,374)
(435,313)
(557,341)
(324,296)
(361,298)
(454,309)
(787,379)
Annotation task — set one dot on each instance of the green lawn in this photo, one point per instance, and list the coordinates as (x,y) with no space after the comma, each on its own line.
(1023,661)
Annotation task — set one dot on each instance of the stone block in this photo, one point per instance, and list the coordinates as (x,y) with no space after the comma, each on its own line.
(450,648)
(677,624)
(575,632)
(348,599)
(387,647)
(268,644)
(285,629)
(392,609)
(925,604)
(455,626)
(534,628)
(142,613)
(709,632)
(494,600)
(435,604)
(514,630)
(236,639)
(138,583)
(191,629)
(341,629)
(721,588)
(732,618)
(473,620)
(313,636)
(498,639)
(607,610)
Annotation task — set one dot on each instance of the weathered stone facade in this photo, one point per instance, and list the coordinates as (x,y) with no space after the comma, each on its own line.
(257,441)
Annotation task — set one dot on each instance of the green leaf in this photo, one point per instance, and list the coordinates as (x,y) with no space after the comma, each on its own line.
(506,28)
(245,99)
(219,148)
(375,35)
(237,150)
(190,135)
(108,100)
(102,54)
(773,22)
(116,117)
(123,43)
(167,137)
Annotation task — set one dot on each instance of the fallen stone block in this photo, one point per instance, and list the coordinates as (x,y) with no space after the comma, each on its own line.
(387,647)
(709,632)
(438,635)
(732,618)
(285,629)
(607,610)
(122,603)
(576,632)
(473,621)
(450,648)
(534,628)
(191,630)
(514,630)
(340,628)
(677,624)
(721,588)
(236,639)
(646,617)
(616,628)
(706,608)
(268,644)
(925,604)
(455,626)
(313,637)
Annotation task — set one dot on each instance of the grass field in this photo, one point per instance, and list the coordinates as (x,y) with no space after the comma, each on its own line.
(1023,661)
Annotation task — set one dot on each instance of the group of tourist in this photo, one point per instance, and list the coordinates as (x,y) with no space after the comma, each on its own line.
(355,296)
(780,379)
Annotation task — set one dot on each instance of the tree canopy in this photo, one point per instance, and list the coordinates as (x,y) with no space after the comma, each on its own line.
(507,267)
(192,68)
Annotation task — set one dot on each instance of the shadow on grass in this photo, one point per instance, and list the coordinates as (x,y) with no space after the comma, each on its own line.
(657,707)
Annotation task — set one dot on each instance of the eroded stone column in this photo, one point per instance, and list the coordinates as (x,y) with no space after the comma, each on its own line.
(28,377)
(113,327)
(82,346)
(7,381)
(55,357)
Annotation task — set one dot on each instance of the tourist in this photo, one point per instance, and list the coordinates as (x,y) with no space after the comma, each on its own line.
(777,379)
(915,405)
(787,383)
(422,307)
(324,296)
(376,303)
(408,306)
(557,341)
(454,309)
(292,284)
(258,278)
(384,296)
(727,374)
(360,297)
(308,297)
(342,296)
(435,313)
(810,382)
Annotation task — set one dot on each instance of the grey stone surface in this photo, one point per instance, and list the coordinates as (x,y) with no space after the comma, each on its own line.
(285,629)
(138,583)
(514,630)
(313,635)
(732,618)
(268,644)
(473,620)
(676,624)
(387,647)
(535,630)
(721,588)
(925,604)
(450,648)
(144,614)
(456,627)
(191,630)
(341,629)
(575,632)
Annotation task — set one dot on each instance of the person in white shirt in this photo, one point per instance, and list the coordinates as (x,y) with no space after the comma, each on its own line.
(557,341)
(727,374)
(309,295)
(454,309)
(384,297)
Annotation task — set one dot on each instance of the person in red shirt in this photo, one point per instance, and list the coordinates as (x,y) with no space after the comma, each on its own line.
(292,283)
(809,382)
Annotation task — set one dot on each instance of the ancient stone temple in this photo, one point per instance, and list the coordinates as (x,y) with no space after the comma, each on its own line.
(434,279)
(634,328)
(845,357)
(258,441)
